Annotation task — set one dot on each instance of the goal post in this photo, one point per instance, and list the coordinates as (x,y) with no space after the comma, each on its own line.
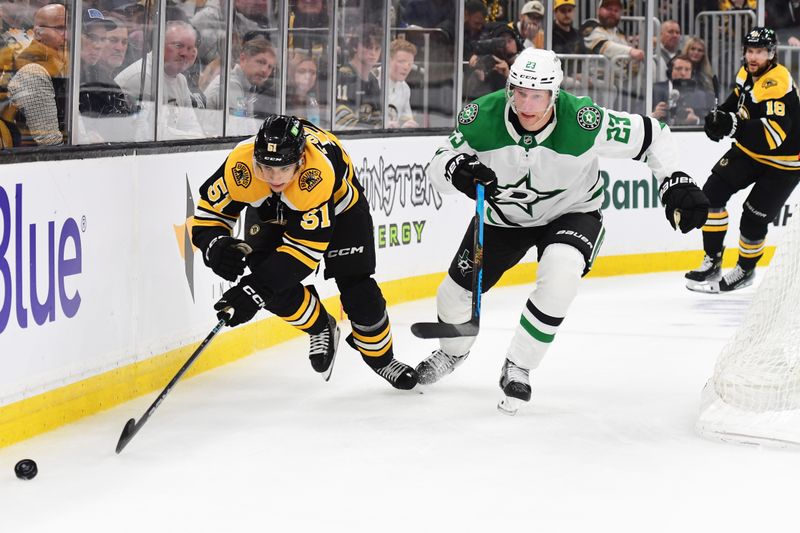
(753,396)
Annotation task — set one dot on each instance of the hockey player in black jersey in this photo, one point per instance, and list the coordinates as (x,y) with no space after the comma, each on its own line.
(762,116)
(303,203)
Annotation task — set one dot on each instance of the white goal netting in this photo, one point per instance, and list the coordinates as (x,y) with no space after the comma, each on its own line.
(754,395)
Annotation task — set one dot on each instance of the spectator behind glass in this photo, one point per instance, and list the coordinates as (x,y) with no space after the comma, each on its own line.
(113,54)
(490,71)
(605,38)
(668,46)
(474,20)
(358,93)
(401,61)
(132,14)
(735,5)
(566,39)
(247,84)
(528,29)
(308,23)
(177,119)
(38,91)
(680,101)
(695,50)
(100,96)
(250,15)
(301,99)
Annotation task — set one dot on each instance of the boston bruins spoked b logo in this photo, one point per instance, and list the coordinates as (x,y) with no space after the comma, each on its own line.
(241,174)
(309,179)
(589,117)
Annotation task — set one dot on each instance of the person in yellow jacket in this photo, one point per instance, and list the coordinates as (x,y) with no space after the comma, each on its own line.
(303,203)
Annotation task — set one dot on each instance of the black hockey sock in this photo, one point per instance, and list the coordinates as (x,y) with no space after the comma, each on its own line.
(714,231)
(750,251)
(374,343)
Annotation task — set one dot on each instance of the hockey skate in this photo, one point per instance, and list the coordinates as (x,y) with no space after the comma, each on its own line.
(322,351)
(516,387)
(736,279)
(399,375)
(438,365)
(709,271)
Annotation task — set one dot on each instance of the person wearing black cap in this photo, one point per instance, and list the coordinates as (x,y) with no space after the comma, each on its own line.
(305,203)
(99,96)
(491,70)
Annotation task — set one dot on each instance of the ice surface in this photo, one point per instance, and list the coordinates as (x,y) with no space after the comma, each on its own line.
(263,444)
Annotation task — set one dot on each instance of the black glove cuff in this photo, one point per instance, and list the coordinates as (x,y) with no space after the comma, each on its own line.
(453,164)
(212,242)
(676,179)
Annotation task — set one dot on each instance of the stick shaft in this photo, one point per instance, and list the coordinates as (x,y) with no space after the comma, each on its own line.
(130,431)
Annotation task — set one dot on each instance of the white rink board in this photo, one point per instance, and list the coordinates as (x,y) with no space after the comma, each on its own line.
(140,298)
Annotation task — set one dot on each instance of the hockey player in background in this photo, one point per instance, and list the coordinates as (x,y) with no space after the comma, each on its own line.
(762,116)
(535,149)
(304,202)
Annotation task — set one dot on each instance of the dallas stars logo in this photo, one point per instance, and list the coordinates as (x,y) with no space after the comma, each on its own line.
(468,114)
(523,195)
(464,263)
(589,117)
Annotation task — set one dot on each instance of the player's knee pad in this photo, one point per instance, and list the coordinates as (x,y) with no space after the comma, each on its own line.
(558,275)
(716,190)
(754,223)
(362,299)
(453,303)
(454,306)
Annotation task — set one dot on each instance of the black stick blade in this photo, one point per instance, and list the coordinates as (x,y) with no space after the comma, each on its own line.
(440,330)
(127,434)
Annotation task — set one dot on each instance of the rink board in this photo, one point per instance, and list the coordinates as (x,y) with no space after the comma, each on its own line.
(102,297)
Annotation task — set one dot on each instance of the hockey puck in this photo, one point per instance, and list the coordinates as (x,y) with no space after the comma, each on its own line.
(26,469)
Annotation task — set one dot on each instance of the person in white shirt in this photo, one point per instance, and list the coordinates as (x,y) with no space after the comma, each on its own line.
(401,61)
(178,119)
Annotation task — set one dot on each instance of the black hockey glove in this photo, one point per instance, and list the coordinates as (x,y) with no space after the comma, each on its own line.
(465,171)
(225,256)
(686,205)
(719,124)
(244,299)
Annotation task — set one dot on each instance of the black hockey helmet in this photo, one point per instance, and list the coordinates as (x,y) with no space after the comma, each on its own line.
(280,141)
(761,37)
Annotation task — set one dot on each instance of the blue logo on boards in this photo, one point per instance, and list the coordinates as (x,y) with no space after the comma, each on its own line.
(22,271)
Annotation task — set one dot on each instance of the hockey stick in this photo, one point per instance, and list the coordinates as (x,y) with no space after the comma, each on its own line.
(133,427)
(715,82)
(441,330)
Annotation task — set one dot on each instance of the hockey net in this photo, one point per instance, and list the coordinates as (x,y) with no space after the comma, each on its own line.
(754,395)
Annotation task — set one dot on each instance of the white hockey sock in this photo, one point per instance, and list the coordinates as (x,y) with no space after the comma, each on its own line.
(557,281)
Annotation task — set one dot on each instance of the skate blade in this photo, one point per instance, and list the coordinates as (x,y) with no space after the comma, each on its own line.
(708,287)
(509,406)
(327,374)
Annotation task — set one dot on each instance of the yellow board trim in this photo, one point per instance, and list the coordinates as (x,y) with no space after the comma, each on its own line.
(41,413)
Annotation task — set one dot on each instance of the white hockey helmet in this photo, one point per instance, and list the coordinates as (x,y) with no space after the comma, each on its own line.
(535,69)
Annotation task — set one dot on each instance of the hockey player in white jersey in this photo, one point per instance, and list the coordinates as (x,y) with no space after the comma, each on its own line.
(535,149)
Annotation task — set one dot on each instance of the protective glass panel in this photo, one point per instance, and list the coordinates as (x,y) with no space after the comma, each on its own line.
(359,99)
(420,89)
(310,70)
